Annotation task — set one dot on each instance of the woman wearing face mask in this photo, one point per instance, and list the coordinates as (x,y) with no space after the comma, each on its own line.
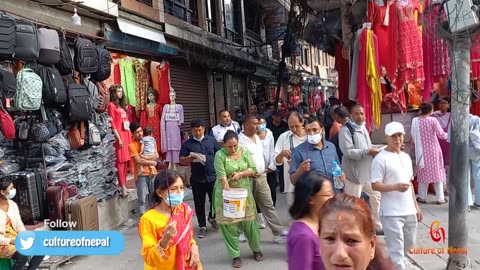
(347,236)
(10,226)
(234,166)
(303,245)
(166,230)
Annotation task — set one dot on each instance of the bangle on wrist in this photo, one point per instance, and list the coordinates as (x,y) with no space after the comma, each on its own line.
(241,175)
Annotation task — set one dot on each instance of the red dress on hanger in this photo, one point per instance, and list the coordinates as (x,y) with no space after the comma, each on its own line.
(153,121)
(475,58)
(161,81)
(377,15)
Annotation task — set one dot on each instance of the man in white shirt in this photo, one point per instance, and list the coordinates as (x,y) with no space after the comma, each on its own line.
(226,123)
(392,174)
(261,191)
(284,147)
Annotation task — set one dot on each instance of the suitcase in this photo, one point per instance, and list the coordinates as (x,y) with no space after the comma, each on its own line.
(41,181)
(56,198)
(84,212)
(27,197)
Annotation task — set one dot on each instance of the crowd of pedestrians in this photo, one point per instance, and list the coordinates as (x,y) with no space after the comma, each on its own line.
(295,151)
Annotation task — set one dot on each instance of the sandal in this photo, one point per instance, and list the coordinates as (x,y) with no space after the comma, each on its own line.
(442,202)
(421,200)
(258,256)
(237,262)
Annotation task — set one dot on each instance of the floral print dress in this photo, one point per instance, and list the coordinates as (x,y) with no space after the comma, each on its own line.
(7,251)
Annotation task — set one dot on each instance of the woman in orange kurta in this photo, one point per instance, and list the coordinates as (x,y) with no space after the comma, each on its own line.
(166,230)
(121,130)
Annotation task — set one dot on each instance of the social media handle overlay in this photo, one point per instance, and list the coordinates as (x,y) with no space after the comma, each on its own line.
(70,243)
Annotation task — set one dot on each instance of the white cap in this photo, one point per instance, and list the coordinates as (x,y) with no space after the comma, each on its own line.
(394,128)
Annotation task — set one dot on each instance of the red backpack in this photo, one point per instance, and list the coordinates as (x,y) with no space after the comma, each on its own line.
(6,124)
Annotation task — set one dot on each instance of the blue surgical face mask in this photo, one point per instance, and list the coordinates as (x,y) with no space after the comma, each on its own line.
(262,127)
(174,199)
(199,140)
(11,194)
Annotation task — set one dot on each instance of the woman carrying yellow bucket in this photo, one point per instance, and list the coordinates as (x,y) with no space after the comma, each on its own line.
(234,204)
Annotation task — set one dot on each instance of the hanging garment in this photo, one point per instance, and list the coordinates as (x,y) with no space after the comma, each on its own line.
(127,72)
(475,58)
(161,81)
(363,90)
(172,119)
(342,67)
(436,56)
(142,84)
(153,114)
(373,78)
(377,15)
(352,93)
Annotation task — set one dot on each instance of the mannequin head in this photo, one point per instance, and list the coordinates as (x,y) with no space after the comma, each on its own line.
(384,71)
(151,96)
(172,97)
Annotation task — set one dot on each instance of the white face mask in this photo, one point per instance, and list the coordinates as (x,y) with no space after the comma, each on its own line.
(315,138)
(11,194)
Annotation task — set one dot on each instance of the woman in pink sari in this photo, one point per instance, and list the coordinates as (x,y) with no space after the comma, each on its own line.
(166,229)
(444,118)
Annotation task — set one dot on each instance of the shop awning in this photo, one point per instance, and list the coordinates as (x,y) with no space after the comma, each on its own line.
(137,30)
(130,43)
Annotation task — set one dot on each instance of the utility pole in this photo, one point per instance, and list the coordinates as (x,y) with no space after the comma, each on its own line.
(458,181)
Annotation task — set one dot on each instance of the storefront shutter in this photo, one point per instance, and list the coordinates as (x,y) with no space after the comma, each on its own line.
(191,86)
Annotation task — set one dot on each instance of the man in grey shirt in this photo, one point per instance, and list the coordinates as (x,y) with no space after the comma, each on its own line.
(357,158)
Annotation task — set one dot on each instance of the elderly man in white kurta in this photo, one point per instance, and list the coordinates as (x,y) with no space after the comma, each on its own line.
(284,147)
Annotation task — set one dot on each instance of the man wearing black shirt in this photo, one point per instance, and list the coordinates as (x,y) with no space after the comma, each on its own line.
(199,151)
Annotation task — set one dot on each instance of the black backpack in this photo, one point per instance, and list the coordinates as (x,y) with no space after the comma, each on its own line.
(8,84)
(53,92)
(26,46)
(65,65)
(104,67)
(7,36)
(79,108)
(86,57)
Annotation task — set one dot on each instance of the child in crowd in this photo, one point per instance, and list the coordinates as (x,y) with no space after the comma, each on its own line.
(148,147)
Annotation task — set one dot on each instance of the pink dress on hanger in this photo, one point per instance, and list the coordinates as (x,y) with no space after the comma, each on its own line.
(377,15)
(475,58)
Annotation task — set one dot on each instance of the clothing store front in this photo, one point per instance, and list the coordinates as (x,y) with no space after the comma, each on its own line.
(191,85)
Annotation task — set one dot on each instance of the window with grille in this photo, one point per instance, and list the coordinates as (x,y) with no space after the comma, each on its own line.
(146,2)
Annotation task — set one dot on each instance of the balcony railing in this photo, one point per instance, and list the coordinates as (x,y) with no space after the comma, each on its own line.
(232,36)
(211,26)
(252,35)
(181,12)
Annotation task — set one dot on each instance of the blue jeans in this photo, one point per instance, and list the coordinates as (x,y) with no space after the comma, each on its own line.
(144,190)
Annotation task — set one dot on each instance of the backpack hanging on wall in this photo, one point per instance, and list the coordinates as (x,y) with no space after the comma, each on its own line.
(93,91)
(104,97)
(54,92)
(104,64)
(94,137)
(49,43)
(6,124)
(26,45)
(79,107)
(7,36)
(86,57)
(8,84)
(29,90)
(65,65)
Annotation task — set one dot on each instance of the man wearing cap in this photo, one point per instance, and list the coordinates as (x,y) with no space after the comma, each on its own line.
(392,174)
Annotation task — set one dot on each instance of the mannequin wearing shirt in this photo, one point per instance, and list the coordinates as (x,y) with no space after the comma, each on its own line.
(172,120)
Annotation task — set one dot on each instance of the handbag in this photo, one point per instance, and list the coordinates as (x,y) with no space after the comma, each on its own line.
(76,135)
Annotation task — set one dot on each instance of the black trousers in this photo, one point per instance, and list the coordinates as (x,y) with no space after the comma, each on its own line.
(281,180)
(273,184)
(200,190)
(21,260)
